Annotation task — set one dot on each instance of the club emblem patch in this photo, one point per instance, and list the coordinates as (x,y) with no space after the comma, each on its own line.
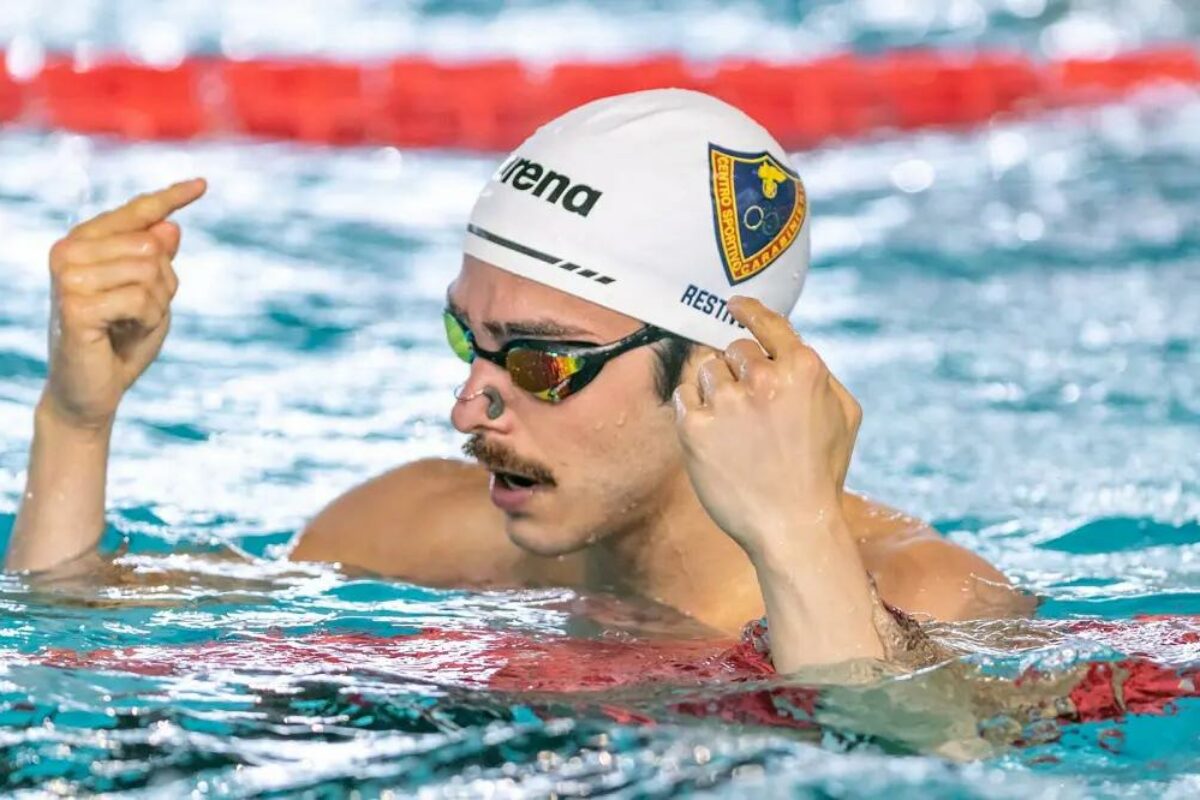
(758,209)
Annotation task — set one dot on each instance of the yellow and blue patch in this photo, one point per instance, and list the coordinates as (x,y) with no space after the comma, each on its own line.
(759,207)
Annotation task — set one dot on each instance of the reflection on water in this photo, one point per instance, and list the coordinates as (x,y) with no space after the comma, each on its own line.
(206,671)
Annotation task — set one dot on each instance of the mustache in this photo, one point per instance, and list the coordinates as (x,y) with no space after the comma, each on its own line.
(498,458)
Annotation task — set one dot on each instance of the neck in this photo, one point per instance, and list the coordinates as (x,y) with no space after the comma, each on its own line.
(677,556)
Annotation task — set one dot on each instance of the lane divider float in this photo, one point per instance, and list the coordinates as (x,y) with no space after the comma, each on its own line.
(494,104)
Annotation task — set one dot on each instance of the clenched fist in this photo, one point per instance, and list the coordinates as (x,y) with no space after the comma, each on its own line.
(767,433)
(112,283)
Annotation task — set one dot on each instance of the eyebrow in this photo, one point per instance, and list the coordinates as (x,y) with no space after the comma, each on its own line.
(526,328)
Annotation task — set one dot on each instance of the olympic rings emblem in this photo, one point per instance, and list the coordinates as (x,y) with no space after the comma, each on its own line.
(767,220)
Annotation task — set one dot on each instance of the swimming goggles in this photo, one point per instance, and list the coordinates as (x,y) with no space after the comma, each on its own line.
(549,370)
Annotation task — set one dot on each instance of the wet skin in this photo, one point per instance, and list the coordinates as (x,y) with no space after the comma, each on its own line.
(724,503)
(622,513)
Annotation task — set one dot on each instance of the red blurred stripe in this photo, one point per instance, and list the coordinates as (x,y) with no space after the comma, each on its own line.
(120,97)
(494,104)
(1124,72)
(486,105)
(11,100)
(311,101)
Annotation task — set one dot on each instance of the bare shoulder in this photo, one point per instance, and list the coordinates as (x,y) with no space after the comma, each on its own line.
(430,522)
(918,570)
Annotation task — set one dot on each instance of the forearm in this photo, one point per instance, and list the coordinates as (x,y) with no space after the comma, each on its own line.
(820,604)
(62,510)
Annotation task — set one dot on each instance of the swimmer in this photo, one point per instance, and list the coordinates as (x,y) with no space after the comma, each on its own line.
(642,418)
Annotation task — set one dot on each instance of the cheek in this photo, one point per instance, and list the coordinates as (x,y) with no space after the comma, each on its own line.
(614,437)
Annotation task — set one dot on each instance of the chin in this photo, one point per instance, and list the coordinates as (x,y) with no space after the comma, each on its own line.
(544,539)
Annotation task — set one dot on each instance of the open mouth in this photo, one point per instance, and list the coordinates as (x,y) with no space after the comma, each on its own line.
(510,473)
(515,480)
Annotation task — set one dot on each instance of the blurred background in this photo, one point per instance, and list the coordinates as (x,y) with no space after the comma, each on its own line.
(1006,237)
(164,31)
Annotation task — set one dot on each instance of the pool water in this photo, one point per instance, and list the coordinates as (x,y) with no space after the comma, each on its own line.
(1017,308)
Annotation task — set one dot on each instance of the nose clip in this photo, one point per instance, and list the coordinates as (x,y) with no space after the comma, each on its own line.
(495,405)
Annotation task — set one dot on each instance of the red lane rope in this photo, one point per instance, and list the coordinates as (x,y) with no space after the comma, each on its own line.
(494,104)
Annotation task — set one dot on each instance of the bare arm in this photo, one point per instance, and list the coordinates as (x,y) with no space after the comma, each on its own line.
(112,283)
(819,600)
(62,510)
(905,574)
(768,432)
(934,579)
(921,572)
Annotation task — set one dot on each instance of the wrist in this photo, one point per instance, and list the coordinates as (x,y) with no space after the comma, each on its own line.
(802,533)
(50,419)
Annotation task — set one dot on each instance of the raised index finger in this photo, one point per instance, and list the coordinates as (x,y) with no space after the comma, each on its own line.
(142,211)
(772,330)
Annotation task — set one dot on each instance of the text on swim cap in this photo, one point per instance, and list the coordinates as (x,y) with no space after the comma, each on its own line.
(529,176)
(711,304)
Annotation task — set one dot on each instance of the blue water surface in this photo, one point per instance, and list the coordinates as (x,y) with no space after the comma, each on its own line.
(1017,307)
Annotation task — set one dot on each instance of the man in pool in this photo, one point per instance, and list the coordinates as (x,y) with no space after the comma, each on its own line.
(642,417)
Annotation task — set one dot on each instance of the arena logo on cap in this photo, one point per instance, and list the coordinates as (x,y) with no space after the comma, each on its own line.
(529,176)
(758,209)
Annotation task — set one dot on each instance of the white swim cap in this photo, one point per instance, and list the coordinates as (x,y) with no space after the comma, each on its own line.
(659,204)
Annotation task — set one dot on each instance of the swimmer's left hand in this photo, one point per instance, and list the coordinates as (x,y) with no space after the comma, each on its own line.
(768,432)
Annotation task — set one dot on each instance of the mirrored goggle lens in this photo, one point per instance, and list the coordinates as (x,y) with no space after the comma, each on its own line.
(459,338)
(544,375)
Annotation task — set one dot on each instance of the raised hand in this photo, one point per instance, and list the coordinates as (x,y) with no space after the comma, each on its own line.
(767,432)
(112,283)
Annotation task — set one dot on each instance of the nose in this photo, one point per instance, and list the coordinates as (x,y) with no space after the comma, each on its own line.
(487,387)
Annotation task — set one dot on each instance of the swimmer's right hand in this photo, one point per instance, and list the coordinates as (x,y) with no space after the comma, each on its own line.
(112,285)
